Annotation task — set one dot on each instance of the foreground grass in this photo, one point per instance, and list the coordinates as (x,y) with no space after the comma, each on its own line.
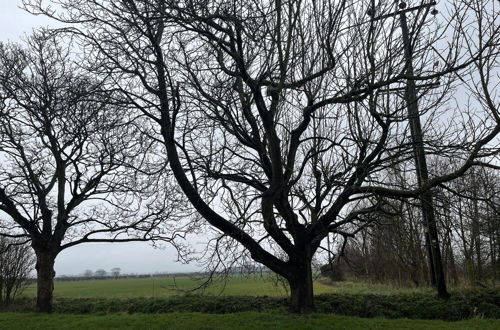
(171,286)
(249,320)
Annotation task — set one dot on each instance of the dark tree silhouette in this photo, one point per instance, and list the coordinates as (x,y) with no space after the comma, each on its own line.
(115,272)
(100,273)
(69,169)
(88,274)
(279,117)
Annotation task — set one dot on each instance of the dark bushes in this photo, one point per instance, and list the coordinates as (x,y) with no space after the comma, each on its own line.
(474,303)
(467,304)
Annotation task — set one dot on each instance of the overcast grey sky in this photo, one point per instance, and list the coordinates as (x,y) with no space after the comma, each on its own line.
(14,22)
(134,257)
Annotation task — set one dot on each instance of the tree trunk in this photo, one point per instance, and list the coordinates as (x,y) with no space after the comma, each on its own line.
(45,281)
(437,262)
(301,287)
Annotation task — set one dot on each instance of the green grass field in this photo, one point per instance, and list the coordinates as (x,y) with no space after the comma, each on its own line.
(168,286)
(163,287)
(14,321)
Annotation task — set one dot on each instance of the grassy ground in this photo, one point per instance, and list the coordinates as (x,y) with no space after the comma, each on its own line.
(163,287)
(168,286)
(13,321)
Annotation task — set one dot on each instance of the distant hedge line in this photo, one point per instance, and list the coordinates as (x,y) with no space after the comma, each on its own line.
(483,303)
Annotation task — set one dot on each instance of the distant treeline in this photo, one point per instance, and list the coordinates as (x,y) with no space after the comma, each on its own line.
(122,276)
(392,249)
(109,276)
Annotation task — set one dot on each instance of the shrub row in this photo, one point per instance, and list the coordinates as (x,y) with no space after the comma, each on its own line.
(463,305)
(484,304)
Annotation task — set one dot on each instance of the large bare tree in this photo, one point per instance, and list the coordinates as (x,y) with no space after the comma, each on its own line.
(279,117)
(72,171)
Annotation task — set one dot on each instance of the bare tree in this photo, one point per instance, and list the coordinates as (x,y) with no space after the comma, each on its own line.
(88,274)
(115,272)
(70,165)
(100,273)
(16,264)
(278,118)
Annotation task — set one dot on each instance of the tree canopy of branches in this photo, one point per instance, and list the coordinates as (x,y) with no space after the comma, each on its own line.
(115,272)
(68,171)
(16,263)
(279,117)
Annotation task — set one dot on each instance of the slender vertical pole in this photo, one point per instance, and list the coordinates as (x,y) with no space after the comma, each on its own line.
(432,238)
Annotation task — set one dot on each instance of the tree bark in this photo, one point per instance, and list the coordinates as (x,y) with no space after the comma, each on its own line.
(45,281)
(437,262)
(301,287)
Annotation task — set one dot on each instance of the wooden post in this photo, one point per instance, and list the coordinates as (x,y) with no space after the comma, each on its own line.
(432,238)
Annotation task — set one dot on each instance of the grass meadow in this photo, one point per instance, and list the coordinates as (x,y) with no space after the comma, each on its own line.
(236,285)
(168,286)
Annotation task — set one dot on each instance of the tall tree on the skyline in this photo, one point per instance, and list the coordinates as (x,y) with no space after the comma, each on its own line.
(69,161)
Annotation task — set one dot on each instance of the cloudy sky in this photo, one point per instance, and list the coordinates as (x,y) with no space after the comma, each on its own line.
(130,257)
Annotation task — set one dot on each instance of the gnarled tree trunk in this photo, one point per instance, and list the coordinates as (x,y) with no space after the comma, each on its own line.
(45,281)
(301,287)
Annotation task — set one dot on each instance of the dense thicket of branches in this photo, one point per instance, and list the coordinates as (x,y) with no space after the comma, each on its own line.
(279,117)
(470,220)
(392,248)
(16,264)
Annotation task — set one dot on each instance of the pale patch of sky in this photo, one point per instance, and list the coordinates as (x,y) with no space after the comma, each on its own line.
(15,22)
